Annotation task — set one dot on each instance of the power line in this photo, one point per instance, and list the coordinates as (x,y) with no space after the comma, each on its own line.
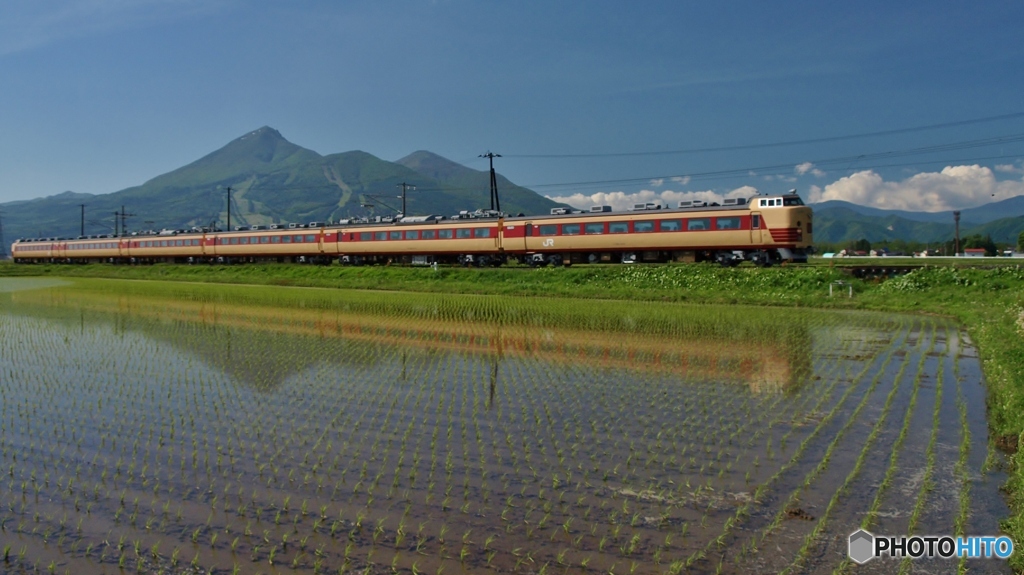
(777,144)
(789,165)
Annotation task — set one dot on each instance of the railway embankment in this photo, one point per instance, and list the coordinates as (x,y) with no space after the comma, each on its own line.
(988,301)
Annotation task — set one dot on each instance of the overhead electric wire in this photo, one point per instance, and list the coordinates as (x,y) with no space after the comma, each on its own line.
(860,158)
(776,144)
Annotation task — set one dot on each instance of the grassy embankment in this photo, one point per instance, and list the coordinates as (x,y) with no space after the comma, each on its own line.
(989,302)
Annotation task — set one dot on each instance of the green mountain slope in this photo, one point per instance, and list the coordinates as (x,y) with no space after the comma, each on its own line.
(838,225)
(271,180)
(472,187)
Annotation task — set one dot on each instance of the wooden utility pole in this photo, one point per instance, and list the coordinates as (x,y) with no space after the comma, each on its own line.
(229,210)
(3,244)
(495,204)
(956,241)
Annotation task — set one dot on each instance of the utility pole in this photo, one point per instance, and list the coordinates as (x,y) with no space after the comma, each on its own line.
(82,232)
(495,204)
(404,187)
(124,216)
(956,244)
(3,244)
(117,215)
(229,210)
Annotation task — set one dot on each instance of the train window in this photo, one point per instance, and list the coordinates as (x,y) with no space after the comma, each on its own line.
(643,227)
(755,221)
(275,240)
(380,235)
(365,236)
(570,229)
(296,239)
(618,228)
(792,201)
(412,234)
(310,239)
(395,235)
(286,239)
(233,241)
(549,230)
(444,234)
(482,232)
(727,223)
(243,241)
(428,234)
(265,239)
(463,233)
(671,225)
(595,228)
(177,243)
(698,224)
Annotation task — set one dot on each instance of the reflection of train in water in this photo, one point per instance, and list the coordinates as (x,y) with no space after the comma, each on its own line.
(765,230)
(764,366)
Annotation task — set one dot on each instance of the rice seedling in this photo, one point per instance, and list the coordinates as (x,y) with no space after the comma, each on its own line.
(336,433)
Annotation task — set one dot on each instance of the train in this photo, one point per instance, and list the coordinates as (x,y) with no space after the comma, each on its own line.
(764,229)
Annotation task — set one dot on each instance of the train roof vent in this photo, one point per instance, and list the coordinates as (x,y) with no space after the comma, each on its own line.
(600,209)
(560,211)
(638,207)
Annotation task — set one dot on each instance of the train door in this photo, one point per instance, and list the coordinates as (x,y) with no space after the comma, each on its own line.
(756,226)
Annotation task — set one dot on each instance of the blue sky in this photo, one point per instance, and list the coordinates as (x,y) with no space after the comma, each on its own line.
(100,95)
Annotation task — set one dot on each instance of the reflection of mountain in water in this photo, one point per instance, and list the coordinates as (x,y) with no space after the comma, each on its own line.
(263,345)
(257,357)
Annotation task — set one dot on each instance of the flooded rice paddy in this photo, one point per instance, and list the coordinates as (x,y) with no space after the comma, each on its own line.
(184,429)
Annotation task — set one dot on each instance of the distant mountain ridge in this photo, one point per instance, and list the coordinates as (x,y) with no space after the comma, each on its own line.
(273,180)
(839,221)
(983,214)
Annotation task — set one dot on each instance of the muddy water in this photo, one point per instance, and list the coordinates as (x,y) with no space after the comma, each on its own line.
(157,432)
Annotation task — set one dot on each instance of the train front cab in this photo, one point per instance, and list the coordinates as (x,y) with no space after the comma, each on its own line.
(782,224)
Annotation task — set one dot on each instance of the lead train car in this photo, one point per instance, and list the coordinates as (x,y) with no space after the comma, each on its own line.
(765,230)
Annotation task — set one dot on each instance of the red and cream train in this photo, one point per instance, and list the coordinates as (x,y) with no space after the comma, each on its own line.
(764,230)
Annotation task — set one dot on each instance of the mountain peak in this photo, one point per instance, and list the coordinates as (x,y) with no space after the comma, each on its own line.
(434,166)
(266,133)
(259,151)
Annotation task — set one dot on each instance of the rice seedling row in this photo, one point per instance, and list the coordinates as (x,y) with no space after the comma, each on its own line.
(239,431)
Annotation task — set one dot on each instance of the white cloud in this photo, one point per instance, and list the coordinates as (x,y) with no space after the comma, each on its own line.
(621,201)
(1009,169)
(681,180)
(953,188)
(657,182)
(808,167)
(779,178)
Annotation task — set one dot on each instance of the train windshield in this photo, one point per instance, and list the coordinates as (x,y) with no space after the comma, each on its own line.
(792,201)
